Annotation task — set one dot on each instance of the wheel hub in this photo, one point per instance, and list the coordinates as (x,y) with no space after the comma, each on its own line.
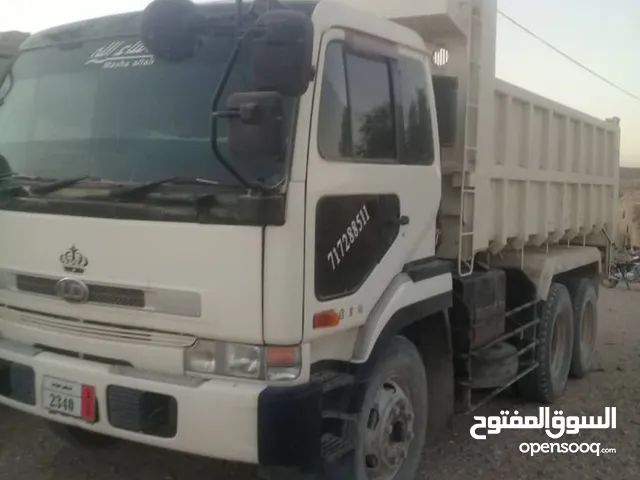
(389,432)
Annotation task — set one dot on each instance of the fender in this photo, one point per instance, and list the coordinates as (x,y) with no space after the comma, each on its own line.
(422,291)
(412,295)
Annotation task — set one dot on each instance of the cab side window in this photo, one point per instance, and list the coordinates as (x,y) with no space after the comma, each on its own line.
(374,109)
(372,113)
(418,134)
(334,126)
(356,120)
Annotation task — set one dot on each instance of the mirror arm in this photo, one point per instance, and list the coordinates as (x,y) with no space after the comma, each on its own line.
(239,15)
(235,113)
(4,76)
(215,115)
(228,68)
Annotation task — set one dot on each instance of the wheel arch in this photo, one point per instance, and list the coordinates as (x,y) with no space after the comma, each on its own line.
(569,278)
(426,324)
(406,300)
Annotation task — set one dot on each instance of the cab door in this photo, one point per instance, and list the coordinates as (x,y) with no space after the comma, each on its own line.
(373,178)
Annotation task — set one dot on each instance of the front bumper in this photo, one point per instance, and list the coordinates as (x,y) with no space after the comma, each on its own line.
(225,419)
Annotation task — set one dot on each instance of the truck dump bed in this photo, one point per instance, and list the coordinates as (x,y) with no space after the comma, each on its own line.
(552,175)
(522,171)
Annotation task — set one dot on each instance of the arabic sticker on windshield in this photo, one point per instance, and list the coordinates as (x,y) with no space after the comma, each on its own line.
(121,54)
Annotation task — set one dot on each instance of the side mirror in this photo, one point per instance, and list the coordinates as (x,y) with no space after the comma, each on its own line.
(6,82)
(172,29)
(5,168)
(282,53)
(256,125)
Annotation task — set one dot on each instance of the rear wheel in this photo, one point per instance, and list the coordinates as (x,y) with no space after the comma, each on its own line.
(392,424)
(585,316)
(555,335)
(79,438)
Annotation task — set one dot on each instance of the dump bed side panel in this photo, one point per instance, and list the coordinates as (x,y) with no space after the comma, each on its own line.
(553,175)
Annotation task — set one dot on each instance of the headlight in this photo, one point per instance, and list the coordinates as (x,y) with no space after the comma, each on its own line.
(243,361)
(201,357)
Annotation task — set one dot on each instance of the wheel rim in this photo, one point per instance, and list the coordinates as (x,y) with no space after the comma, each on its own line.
(588,334)
(559,350)
(389,432)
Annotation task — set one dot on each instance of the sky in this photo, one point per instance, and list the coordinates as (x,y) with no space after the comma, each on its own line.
(602,35)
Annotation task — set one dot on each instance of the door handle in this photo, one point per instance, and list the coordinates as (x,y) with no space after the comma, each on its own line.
(402,221)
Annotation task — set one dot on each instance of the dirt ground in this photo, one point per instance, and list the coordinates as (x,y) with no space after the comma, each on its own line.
(28,451)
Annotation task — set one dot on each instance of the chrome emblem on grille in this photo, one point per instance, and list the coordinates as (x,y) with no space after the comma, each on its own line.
(73,261)
(72,290)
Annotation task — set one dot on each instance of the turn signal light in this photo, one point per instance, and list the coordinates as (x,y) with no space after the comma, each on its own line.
(327,319)
(283,356)
(283,363)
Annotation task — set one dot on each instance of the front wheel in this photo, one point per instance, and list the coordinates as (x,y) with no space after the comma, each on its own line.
(392,424)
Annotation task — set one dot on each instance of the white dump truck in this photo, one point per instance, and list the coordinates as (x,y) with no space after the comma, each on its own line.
(296,234)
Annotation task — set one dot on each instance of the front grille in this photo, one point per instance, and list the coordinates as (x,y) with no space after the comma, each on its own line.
(100,330)
(41,286)
(122,297)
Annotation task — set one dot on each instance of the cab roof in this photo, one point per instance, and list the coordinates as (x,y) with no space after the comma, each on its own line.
(128,24)
(326,14)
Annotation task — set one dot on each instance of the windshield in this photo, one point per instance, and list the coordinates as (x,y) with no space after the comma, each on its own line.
(108,109)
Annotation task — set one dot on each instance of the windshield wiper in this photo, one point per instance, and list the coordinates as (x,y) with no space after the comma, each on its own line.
(57,185)
(22,176)
(52,186)
(19,190)
(145,189)
(14,191)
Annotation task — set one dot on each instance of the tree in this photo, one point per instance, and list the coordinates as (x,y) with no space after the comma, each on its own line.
(376,135)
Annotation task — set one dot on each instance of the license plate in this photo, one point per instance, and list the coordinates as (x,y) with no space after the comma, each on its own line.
(69,398)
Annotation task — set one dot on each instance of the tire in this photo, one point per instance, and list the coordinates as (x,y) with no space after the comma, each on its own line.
(585,319)
(398,381)
(82,439)
(495,366)
(554,350)
(609,282)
